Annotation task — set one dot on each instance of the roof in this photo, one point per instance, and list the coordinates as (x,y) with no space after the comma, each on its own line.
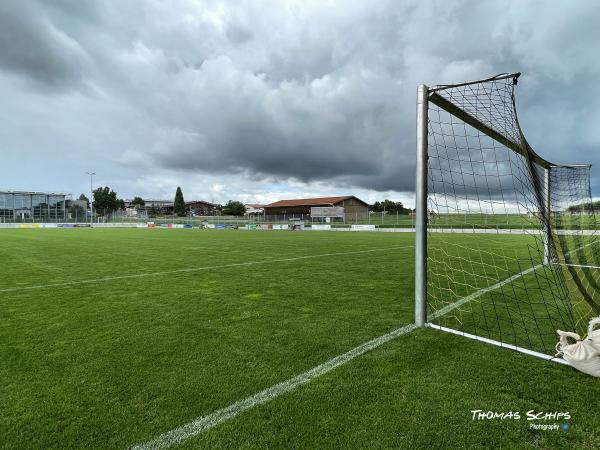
(313,201)
(35,193)
(254,205)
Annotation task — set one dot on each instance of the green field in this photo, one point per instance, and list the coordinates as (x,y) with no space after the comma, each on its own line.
(111,337)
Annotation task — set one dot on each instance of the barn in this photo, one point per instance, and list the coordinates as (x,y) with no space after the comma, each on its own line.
(353,206)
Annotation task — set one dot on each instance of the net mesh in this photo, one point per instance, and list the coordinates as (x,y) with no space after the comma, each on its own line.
(512,249)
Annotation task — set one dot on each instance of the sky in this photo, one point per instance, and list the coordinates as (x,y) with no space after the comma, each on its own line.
(265,100)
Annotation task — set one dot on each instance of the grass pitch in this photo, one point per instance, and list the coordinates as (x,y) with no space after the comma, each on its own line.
(112,337)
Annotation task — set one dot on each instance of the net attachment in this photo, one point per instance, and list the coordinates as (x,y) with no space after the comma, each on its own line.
(512,251)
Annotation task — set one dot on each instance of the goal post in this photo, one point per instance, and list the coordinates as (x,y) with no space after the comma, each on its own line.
(421,210)
(500,254)
(548,212)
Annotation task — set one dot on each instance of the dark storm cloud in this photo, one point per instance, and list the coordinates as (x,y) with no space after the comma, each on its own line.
(311,91)
(33,47)
(290,130)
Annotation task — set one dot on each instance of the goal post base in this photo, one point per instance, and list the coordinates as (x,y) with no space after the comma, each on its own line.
(499,344)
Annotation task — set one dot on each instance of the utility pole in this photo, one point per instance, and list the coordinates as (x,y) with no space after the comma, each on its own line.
(91,174)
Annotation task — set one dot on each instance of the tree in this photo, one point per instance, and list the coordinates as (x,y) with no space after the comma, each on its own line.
(153,211)
(389,206)
(584,207)
(138,202)
(76,210)
(234,208)
(105,199)
(87,200)
(121,204)
(179,203)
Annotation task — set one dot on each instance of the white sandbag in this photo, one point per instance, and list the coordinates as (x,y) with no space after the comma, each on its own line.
(583,354)
(594,335)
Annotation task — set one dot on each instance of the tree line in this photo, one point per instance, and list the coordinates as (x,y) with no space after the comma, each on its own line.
(106,199)
(390,207)
(585,207)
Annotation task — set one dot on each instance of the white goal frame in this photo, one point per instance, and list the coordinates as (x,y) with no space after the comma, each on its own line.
(426,94)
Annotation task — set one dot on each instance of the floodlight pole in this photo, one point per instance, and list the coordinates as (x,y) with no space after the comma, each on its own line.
(91,174)
(421,209)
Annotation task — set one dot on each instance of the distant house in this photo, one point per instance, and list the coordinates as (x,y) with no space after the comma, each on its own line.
(353,206)
(201,208)
(254,208)
(157,204)
(136,210)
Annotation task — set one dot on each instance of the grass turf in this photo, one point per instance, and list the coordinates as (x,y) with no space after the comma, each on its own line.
(116,362)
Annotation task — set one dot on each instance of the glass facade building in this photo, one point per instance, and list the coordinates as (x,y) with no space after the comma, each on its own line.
(30,207)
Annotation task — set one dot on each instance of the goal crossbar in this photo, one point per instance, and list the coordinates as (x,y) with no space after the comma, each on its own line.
(499,137)
(502,76)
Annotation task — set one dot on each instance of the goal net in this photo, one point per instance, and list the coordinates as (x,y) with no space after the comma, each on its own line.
(507,250)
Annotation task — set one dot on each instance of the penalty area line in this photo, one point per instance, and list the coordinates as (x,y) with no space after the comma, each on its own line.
(201,424)
(196,269)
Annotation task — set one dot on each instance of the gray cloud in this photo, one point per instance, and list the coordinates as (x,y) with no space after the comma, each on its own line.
(33,47)
(286,91)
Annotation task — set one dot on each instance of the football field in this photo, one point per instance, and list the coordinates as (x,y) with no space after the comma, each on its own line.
(187,338)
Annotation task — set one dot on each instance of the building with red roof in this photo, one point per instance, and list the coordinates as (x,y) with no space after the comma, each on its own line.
(353,206)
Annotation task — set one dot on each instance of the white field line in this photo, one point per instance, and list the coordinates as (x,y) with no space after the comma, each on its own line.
(576,250)
(446,309)
(197,426)
(582,247)
(578,265)
(201,424)
(195,269)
